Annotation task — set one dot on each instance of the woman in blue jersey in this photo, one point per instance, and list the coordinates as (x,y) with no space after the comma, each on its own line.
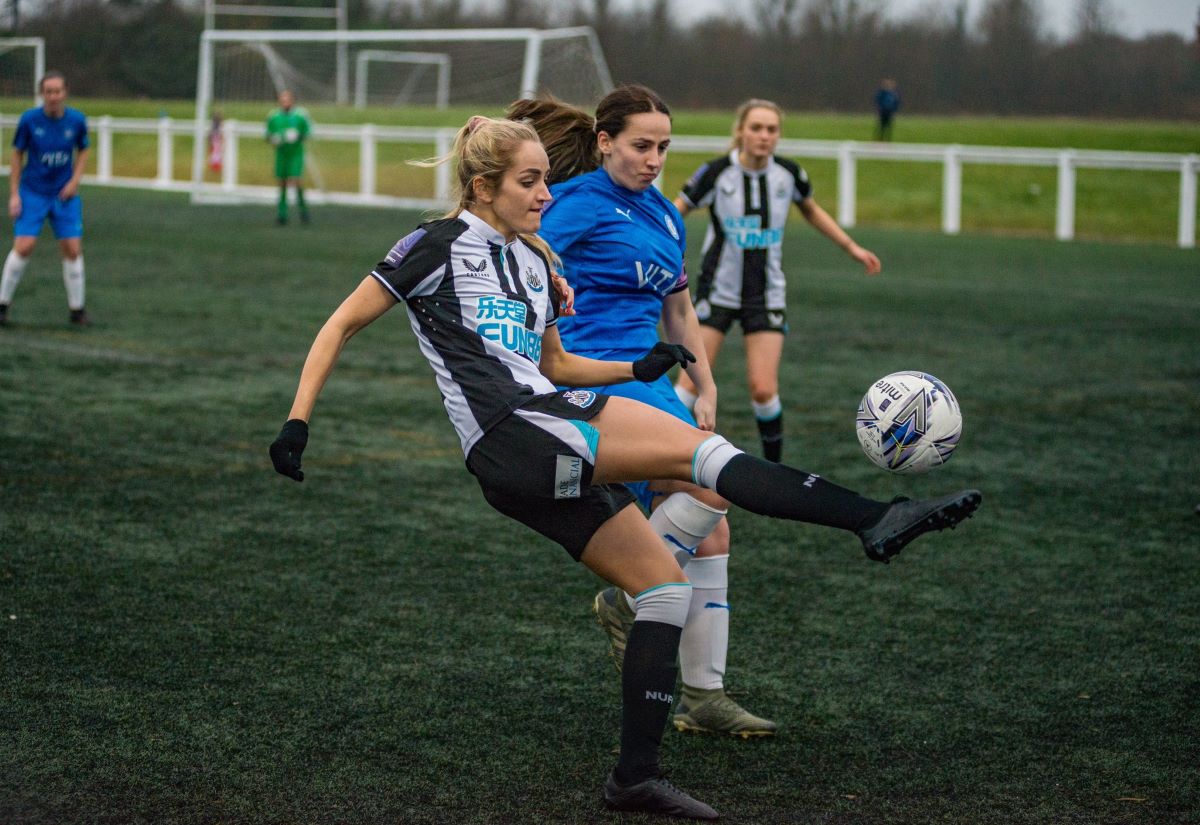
(482,297)
(622,246)
(749,193)
(50,149)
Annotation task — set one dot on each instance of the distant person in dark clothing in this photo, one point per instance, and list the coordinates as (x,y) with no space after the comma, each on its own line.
(887,102)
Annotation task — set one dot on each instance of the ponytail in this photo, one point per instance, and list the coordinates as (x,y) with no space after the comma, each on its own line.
(567,133)
(484,149)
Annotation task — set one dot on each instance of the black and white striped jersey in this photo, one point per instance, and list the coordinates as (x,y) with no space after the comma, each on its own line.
(748,209)
(479,307)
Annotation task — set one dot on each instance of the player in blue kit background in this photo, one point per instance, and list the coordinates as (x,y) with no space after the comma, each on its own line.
(49,152)
(622,246)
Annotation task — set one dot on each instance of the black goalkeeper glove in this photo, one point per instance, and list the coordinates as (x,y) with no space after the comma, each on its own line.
(288,447)
(654,364)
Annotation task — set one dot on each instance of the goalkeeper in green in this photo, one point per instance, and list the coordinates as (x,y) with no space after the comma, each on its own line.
(287,129)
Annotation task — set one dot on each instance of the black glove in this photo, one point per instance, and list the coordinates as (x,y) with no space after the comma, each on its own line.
(287,448)
(654,364)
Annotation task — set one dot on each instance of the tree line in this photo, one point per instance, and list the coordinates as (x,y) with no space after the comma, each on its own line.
(805,54)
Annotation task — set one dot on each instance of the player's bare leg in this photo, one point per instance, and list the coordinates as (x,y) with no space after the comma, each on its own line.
(72,268)
(627,552)
(764,352)
(649,443)
(14,270)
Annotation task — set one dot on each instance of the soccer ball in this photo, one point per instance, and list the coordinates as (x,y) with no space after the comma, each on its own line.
(909,422)
(291,135)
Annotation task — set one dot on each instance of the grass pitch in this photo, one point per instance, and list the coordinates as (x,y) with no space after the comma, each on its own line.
(187,637)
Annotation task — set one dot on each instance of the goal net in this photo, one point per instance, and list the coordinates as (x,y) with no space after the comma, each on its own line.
(343,76)
(22,64)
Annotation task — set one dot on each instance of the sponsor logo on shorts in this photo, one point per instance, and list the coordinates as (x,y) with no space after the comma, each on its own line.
(580,398)
(703,309)
(775,319)
(568,474)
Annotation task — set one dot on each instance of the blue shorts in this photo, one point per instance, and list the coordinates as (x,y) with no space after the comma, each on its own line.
(66,217)
(660,395)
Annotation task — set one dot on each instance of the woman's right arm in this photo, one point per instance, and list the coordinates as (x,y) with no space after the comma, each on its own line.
(364,305)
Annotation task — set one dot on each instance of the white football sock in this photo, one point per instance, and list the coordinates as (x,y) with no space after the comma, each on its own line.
(14,268)
(705,641)
(710,459)
(73,281)
(686,396)
(769,409)
(666,603)
(683,522)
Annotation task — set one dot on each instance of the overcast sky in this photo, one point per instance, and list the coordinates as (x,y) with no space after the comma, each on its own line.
(1134,17)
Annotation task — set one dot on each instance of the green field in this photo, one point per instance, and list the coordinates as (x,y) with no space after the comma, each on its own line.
(1111,205)
(187,637)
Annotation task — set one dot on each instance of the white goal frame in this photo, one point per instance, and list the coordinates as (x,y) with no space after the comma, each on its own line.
(38,44)
(363,59)
(338,13)
(533,40)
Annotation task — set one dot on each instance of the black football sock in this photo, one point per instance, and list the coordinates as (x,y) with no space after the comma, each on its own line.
(647,694)
(771,434)
(779,491)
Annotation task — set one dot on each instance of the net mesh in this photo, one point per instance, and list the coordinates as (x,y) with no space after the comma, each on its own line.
(18,70)
(480,72)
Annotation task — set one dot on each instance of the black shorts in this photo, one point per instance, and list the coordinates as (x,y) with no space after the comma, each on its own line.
(536,467)
(752,320)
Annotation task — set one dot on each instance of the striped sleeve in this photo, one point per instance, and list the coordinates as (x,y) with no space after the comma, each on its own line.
(417,263)
(802,186)
(699,191)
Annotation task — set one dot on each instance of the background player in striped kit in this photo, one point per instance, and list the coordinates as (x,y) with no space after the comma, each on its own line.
(50,149)
(749,193)
(481,297)
(622,245)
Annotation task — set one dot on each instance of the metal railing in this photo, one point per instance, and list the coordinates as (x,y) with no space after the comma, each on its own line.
(845,153)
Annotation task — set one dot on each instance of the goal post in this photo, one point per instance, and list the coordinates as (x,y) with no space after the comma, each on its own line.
(242,71)
(338,13)
(420,60)
(22,64)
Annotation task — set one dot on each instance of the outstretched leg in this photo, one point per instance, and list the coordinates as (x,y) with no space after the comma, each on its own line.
(643,442)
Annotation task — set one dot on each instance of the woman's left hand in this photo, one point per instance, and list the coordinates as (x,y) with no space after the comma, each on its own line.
(867,258)
(705,413)
(564,294)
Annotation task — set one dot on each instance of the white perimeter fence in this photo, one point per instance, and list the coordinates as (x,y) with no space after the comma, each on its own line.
(846,153)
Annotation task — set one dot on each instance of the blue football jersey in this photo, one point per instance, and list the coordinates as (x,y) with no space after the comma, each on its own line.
(49,145)
(623,252)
